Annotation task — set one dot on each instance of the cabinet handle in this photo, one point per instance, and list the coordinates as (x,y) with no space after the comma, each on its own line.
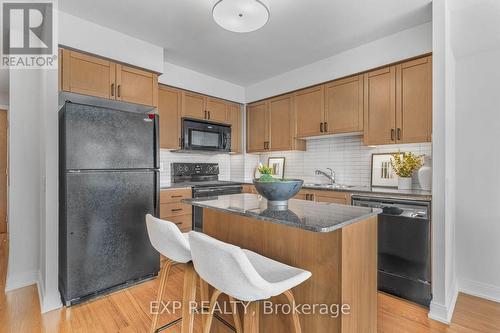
(307,196)
(118,93)
(326,127)
(180,142)
(176,209)
(392,134)
(208,114)
(399,133)
(321,127)
(112,89)
(176,196)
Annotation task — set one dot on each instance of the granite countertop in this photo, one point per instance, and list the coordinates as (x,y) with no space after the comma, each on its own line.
(302,214)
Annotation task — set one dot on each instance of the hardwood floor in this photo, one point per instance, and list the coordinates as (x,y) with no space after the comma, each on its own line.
(128,311)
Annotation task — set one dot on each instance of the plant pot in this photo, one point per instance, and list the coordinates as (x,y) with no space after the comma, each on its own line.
(404,183)
(425,174)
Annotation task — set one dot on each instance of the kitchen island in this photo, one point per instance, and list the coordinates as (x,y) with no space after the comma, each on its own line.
(336,243)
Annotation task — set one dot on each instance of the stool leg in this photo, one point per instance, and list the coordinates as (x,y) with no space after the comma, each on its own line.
(295,316)
(210,316)
(251,318)
(236,316)
(203,298)
(188,297)
(163,282)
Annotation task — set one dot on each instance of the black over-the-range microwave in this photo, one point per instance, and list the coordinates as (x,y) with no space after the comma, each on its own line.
(205,136)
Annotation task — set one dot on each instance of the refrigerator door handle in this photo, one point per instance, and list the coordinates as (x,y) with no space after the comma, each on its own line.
(156,199)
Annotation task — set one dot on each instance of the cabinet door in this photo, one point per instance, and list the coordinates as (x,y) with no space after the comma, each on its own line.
(281,123)
(169,108)
(310,110)
(236,134)
(217,110)
(344,105)
(257,127)
(136,86)
(87,75)
(414,101)
(380,106)
(193,105)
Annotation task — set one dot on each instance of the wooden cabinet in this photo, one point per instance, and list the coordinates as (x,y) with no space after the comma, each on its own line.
(344,105)
(173,210)
(136,86)
(234,115)
(89,75)
(257,127)
(272,126)
(169,109)
(398,103)
(380,106)
(310,111)
(343,198)
(248,188)
(199,106)
(414,101)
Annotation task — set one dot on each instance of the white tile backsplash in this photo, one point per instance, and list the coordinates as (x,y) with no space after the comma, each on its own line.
(348,156)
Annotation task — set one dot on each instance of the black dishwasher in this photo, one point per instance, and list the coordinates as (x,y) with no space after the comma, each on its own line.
(404,247)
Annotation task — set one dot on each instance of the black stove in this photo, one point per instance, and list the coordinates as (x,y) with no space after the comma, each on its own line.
(204,179)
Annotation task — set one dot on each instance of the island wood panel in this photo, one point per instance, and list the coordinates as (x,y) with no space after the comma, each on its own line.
(344,105)
(380,106)
(336,275)
(169,109)
(136,86)
(414,101)
(257,127)
(310,111)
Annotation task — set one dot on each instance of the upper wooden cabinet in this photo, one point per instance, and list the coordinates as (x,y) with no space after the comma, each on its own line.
(414,101)
(236,125)
(169,109)
(344,106)
(136,86)
(89,75)
(257,127)
(310,111)
(272,126)
(203,107)
(398,103)
(380,106)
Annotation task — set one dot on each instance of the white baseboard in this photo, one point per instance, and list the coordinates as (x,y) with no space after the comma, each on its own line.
(22,280)
(48,302)
(444,313)
(479,289)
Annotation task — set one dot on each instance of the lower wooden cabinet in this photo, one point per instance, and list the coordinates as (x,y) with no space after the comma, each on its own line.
(173,210)
(248,188)
(343,198)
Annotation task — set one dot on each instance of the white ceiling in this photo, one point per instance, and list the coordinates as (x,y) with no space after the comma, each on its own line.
(299,32)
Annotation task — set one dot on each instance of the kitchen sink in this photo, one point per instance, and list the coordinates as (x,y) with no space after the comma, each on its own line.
(329,186)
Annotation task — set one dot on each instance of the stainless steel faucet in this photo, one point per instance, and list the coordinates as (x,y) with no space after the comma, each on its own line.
(330,176)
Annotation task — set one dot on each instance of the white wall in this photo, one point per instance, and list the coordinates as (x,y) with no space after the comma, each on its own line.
(402,45)
(90,37)
(24,178)
(184,78)
(477,47)
(444,287)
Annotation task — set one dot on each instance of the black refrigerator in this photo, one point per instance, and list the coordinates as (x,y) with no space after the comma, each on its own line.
(109,181)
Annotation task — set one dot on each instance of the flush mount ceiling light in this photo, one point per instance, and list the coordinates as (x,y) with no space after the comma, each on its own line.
(240,15)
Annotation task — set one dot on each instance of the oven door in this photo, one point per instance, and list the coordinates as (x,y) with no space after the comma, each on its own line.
(206,192)
(203,136)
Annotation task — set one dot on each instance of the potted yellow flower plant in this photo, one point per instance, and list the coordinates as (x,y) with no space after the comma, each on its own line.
(404,165)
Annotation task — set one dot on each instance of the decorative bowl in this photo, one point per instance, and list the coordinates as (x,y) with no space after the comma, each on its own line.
(278,192)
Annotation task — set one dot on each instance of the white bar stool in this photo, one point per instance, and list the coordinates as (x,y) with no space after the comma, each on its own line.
(243,275)
(167,239)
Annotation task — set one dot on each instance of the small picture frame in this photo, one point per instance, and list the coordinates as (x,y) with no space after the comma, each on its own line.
(277,164)
(383,174)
